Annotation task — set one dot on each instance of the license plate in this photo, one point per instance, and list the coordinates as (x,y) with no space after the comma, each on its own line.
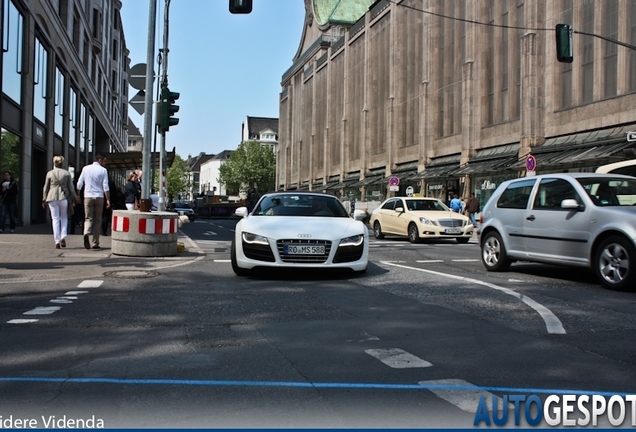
(453,231)
(304,250)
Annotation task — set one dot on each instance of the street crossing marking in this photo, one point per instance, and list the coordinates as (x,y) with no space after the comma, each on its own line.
(397,358)
(90,284)
(43,310)
(460,393)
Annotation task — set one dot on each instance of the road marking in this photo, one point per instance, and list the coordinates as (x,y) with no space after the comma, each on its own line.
(222,260)
(429,261)
(397,358)
(462,394)
(209,233)
(22,321)
(465,260)
(552,323)
(60,301)
(43,310)
(90,284)
(75,292)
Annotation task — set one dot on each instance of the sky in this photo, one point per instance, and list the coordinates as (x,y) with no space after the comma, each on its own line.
(224,66)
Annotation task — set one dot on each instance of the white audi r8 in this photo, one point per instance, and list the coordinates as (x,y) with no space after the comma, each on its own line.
(299,230)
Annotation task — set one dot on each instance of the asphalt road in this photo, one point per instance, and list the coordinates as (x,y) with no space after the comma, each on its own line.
(412,343)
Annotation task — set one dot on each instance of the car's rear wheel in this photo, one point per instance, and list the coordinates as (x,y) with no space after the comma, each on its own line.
(493,253)
(414,233)
(377,230)
(614,264)
(235,267)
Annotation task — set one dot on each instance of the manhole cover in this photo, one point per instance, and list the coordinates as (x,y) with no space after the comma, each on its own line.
(132,274)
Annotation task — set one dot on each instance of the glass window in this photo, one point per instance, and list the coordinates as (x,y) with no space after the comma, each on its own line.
(552,192)
(10,154)
(40,74)
(389,205)
(516,194)
(60,87)
(72,118)
(12,41)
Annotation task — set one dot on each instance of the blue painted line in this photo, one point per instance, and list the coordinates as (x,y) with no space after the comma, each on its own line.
(326,385)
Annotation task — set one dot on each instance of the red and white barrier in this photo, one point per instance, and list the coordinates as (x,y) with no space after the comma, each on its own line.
(121,224)
(157,226)
(146,226)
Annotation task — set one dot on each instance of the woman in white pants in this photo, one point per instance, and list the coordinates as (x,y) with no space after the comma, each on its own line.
(58,190)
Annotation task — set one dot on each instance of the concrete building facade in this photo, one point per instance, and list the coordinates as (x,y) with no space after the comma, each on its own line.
(451,96)
(64,89)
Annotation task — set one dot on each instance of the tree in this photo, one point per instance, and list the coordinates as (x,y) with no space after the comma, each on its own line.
(177,178)
(250,163)
(9,158)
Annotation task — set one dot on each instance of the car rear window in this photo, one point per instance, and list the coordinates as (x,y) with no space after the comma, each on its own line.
(516,194)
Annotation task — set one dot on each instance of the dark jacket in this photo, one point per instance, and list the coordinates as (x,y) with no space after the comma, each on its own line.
(131,193)
(472,205)
(10,195)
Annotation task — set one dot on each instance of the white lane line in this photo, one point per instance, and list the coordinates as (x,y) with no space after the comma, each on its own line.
(465,260)
(397,358)
(429,261)
(43,310)
(462,394)
(222,260)
(210,233)
(552,323)
(70,293)
(90,284)
(22,321)
(60,301)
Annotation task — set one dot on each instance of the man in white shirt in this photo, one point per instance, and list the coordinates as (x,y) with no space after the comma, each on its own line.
(94,179)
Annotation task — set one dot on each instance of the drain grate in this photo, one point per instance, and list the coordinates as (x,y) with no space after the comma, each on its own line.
(132,274)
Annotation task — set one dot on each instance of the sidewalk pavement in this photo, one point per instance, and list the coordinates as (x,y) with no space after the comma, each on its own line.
(29,255)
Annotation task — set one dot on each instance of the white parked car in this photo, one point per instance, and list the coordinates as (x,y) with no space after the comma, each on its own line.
(575,219)
(420,219)
(299,230)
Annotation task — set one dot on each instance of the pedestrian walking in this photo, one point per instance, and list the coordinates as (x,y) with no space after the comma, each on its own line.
(94,180)
(9,200)
(132,194)
(59,194)
(472,207)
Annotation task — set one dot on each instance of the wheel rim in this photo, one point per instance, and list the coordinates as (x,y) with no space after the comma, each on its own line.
(491,251)
(376,229)
(413,234)
(614,263)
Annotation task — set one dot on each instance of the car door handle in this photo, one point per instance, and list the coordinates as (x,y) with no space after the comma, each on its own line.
(531,218)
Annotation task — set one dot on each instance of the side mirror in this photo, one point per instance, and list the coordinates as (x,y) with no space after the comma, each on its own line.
(571,204)
(399,209)
(241,212)
(359,215)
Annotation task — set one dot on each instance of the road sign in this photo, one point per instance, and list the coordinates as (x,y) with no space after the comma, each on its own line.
(531,163)
(409,191)
(137,76)
(631,136)
(394,181)
(138,102)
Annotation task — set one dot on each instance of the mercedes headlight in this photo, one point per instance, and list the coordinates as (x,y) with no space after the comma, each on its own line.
(426,221)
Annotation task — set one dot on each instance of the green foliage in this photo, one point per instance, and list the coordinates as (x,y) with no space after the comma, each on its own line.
(177,178)
(250,163)
(9,160)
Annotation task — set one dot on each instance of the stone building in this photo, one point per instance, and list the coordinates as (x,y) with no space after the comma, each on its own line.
(451,96)
(64,89)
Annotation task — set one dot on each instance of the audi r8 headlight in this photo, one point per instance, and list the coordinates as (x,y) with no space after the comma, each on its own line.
(355,240)
(254,239)
(426,221)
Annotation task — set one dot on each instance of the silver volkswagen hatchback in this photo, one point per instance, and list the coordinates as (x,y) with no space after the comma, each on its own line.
(575,219)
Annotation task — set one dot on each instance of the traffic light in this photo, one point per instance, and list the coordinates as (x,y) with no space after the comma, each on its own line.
(240,6)
(564,43)
(168,109)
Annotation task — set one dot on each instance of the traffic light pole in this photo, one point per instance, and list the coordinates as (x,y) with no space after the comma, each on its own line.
(148,119)
(164,83)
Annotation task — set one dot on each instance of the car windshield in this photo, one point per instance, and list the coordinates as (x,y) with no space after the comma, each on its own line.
(299,205)
(180,204)
(610,191)
(426,205)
